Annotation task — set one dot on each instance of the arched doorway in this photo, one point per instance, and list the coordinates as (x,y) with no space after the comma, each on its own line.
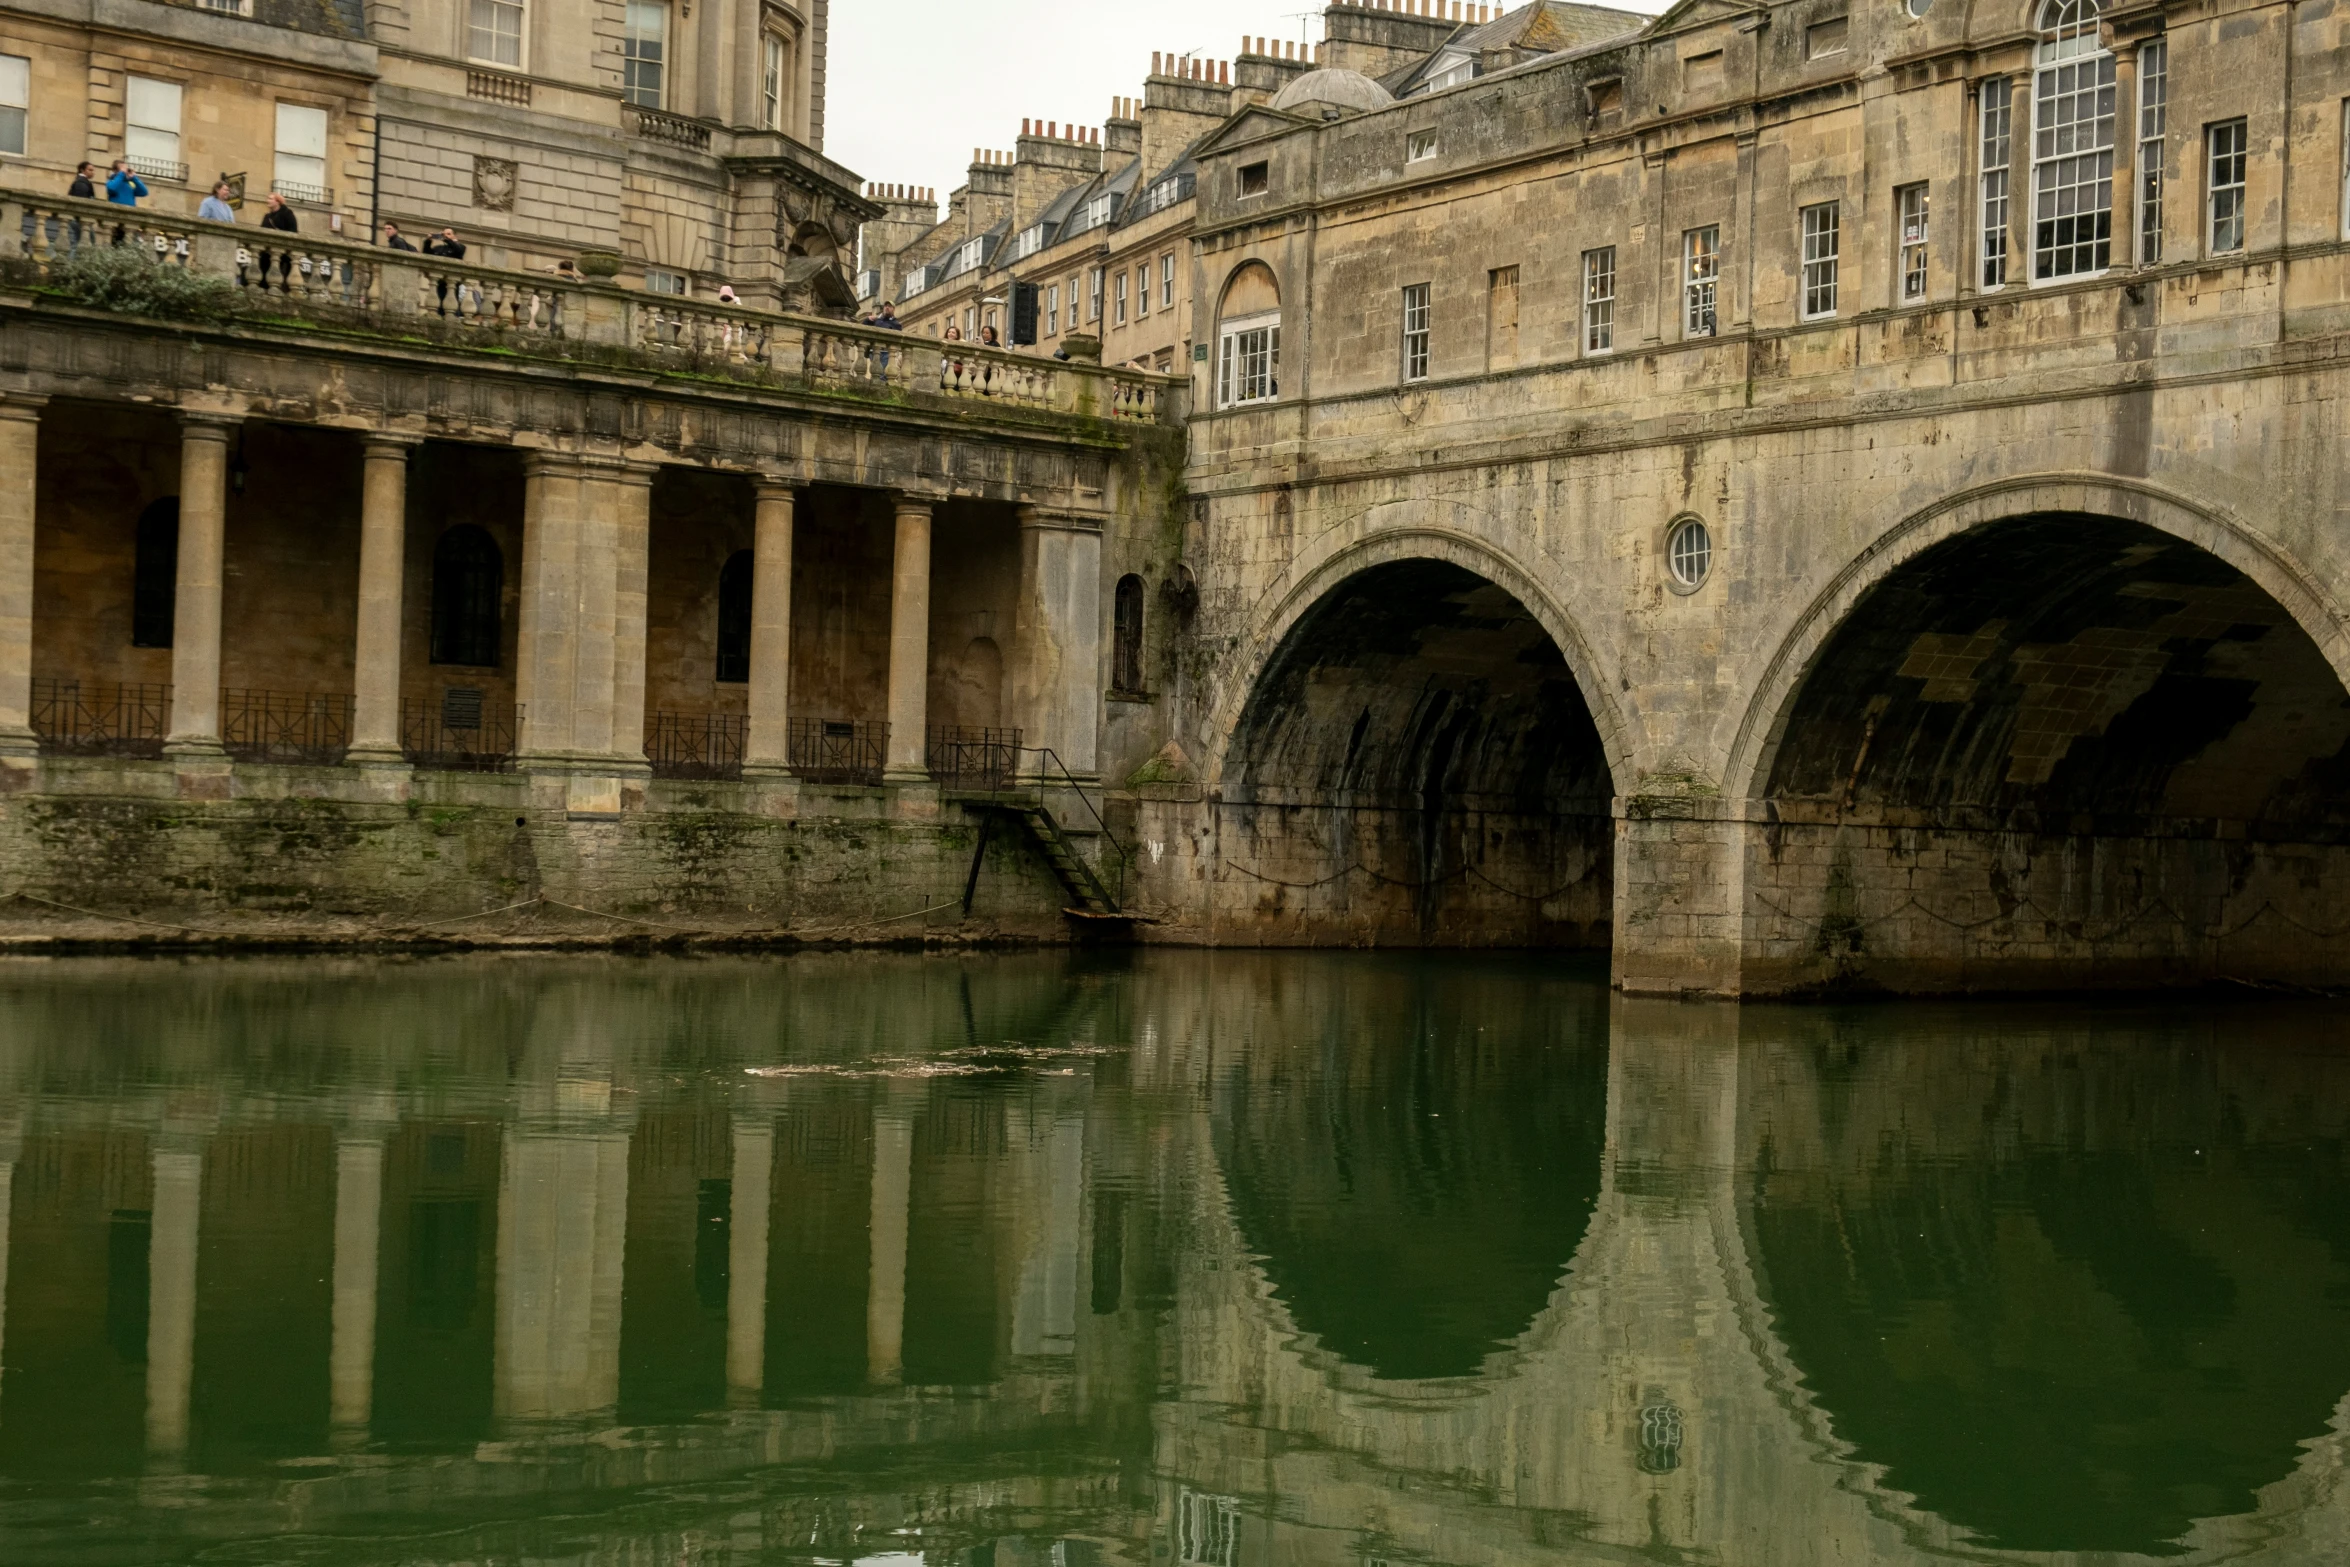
(2060,749)
(1416,763)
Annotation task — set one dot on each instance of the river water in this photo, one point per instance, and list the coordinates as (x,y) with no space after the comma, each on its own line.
(1246,1260)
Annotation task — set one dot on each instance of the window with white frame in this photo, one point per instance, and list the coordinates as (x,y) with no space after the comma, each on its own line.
(1093,293)
(1248,360)
(151,138)
(1167,281)
(1415,332)
(493,32)
(16,101)
(1599,300)
(1052,310)
(2153,124)
(1419,146)
(1120,300)
(1142,289)
(1911,212)
(1822,242)
(2225,187)
(771,81)
(660,280)
(1996,104)
(301,153)
(1701,272)
(644,39)
(2072,144)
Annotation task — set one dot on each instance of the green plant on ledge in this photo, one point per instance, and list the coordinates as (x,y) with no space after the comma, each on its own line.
(134,281)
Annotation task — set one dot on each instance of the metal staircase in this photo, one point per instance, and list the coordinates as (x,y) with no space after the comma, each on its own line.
(1093,900)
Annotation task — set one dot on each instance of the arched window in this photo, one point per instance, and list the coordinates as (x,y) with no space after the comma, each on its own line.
(734,618)
(468,585)
(1248,337)
(2072,143)
(155,570)
(1126,641)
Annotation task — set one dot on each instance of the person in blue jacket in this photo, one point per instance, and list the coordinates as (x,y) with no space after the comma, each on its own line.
(124,188)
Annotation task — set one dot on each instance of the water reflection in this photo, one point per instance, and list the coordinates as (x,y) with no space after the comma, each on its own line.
(1225,1260)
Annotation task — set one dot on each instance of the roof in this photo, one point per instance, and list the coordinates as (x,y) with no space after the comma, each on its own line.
(1545,27)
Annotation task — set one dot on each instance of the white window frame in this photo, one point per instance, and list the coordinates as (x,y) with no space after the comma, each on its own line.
(2227,158)
(290,163)
(1167,261)
(1995,121)
(1052,310)
(1913,219)
(1415,331)
(1142,290)
(1599,300)
(644,74)
(2072,152)
(1701,276)
(661,280)
(1096,279)
(1419,146)
(487,20)
(149,133)
(2153,146)
(1119,298)
(771,80)
(1248,360)
(1818,286)
(16,103)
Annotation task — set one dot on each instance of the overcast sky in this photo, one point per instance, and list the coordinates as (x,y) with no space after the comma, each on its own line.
(911,88)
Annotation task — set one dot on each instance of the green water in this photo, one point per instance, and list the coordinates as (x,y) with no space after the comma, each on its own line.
(1245,1260)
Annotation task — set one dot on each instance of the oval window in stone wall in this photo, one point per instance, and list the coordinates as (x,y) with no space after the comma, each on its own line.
(1689,554)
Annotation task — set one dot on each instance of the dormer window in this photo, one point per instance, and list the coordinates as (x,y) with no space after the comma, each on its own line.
(1450,70)
(1255,178)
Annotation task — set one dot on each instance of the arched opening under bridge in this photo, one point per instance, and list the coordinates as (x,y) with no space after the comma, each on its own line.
(2057,749)
(1416,764)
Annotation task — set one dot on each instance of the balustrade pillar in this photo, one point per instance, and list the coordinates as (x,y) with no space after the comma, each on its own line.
(383,548)
(767,742)
(746,1262)
(196,599)
(20,428)
(174,1213)
(909,645)
(1057,638)
(359,1185)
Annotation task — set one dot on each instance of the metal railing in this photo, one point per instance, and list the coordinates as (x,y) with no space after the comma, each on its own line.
(696,745)
(458,732)
(157,169)
(965,758)
(312,727)
(101,720)
(838,750)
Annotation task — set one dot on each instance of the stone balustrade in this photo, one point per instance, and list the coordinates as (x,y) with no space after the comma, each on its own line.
(405,288)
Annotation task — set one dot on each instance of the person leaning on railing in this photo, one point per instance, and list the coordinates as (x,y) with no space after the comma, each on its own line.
(214,208)
(448,247)
(279,217)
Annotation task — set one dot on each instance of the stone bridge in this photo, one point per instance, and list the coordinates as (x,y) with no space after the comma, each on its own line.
(1933,630)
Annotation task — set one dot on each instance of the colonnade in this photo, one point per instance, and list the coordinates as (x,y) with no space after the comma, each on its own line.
(581,652)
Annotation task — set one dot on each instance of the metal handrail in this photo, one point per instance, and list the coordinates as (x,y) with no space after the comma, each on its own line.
(1045,753)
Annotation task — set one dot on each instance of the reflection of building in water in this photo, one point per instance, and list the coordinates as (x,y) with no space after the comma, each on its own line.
(1381,1264)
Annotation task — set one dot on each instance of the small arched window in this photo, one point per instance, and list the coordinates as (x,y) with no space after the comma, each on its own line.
(734,618)
(155,570)
(1248,337)
(468,585)
(1126,640)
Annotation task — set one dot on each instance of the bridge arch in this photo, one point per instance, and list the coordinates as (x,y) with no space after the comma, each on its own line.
(1412,751)
(2057,731)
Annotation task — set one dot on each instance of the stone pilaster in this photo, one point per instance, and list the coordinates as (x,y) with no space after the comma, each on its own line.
(20,429)
(375,664)
(632,559)
(909,645)
(767,745)
(1057,639)
(196,603)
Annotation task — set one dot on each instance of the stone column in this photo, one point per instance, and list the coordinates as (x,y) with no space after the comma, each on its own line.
(196,605)
(359,1184)
(171,1298)
(375,665)
(746,1263)
(885,1302)
(20,428)
(909,645)
(767,746)
(632,561)
(1057,640)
